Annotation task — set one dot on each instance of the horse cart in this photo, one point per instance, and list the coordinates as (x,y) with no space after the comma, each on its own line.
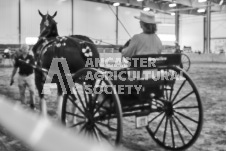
(166,102)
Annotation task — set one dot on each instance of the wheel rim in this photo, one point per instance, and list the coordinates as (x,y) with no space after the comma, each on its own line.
(185,62)
(95,115)
(177,122)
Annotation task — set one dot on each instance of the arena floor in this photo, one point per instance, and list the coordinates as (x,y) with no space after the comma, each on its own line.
(210,78)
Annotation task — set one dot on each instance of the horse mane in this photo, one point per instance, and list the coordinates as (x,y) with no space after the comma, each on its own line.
(50,33)
(53,32)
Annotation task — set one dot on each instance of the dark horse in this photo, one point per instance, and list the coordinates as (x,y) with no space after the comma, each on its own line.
(76,49)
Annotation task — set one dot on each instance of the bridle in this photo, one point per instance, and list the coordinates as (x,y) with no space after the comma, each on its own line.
(48,24)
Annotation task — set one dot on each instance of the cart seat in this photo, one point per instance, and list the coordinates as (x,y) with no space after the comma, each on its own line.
(154,60)
(141,65)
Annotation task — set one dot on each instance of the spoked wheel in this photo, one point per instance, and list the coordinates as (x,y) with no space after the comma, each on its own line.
(93,108)
(185,62)
(177,117)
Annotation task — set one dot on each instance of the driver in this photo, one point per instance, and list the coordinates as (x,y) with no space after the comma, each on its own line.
(146,42)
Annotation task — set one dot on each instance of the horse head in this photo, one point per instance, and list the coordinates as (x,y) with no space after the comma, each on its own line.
(48,26)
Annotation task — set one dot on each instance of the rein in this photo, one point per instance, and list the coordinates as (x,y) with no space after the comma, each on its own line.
(93,39)
(119,21)
(34,66)
(44,44)
(43,30)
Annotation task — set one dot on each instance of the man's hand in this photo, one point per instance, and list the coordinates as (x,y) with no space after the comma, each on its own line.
(11,81)
(126,45)
(120,49)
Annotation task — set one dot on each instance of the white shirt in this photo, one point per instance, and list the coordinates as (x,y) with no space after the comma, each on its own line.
(142,44)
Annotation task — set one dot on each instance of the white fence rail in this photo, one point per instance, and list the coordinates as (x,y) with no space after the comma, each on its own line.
(43,134)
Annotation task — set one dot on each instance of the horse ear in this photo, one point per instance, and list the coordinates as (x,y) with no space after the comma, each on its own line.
(54,14)
(40,13)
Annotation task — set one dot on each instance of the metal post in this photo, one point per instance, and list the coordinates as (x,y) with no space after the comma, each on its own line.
(116,26)
(19,20)
(208,22)
(177,26)
(204,35)
(72,17)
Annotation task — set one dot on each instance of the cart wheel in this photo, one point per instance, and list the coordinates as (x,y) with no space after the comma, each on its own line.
(177,117)
(93,108)
(185,62)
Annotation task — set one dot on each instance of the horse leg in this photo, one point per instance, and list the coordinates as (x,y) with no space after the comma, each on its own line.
(59,101)
(70,107)
(39,85)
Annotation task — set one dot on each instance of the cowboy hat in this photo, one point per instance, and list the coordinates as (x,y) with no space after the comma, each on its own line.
(147,17)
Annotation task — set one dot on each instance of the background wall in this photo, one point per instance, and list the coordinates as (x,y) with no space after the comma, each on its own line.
(30,18)
(218,25)
(132,25)
(191,31)
(9,21)
(92,19)
(218,32)
(97,20)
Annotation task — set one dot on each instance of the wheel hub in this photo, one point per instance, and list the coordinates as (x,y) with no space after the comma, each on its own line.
(89,121)
(168,107)
(89,117)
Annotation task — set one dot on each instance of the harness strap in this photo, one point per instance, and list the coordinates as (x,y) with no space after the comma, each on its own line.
(42,50)
(80,40)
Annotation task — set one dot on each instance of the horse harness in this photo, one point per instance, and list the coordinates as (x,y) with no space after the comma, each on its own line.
(58,42)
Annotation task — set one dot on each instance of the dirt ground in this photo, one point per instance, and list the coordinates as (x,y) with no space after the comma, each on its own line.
(210,78)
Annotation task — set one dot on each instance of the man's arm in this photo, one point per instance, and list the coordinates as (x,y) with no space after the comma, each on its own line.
(160,46)
(13,74)
(132,47)
(16,65)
